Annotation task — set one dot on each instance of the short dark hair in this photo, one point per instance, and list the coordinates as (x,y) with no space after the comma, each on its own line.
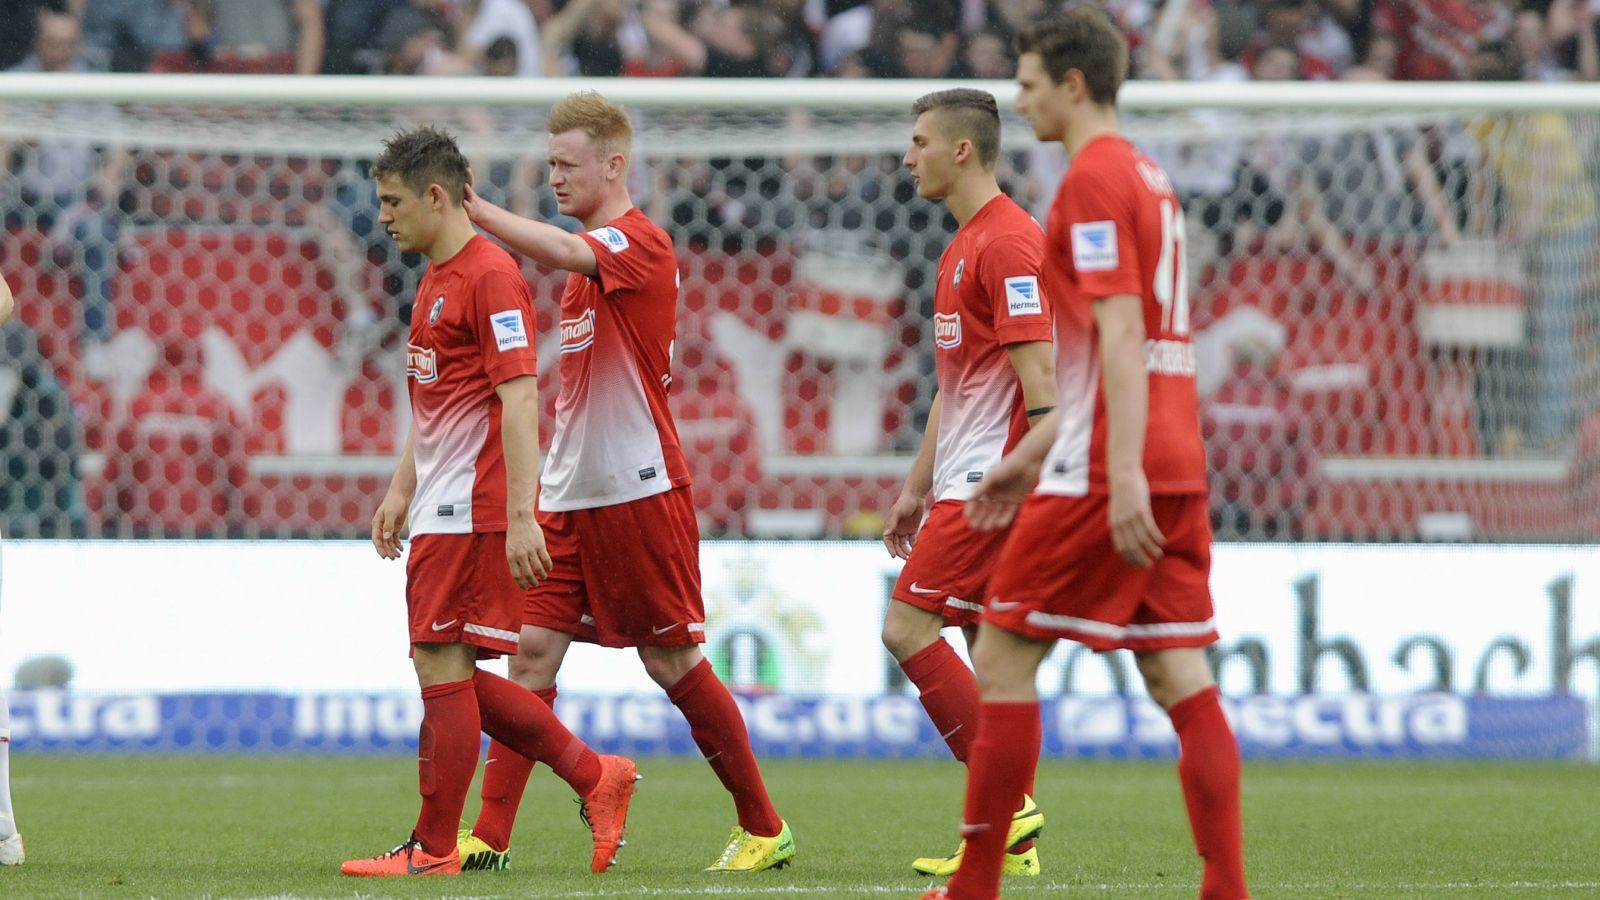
(966,113)
(422,156)
(1082,38)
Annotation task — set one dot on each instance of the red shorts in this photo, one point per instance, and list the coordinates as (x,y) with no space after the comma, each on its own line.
(459,590)
(1060,577)
(949,567)
(626,575)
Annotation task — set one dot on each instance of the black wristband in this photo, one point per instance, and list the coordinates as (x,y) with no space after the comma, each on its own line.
(1040,410)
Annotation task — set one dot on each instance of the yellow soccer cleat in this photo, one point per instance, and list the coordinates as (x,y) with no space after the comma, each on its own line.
(1026,824)
(478,856)
(1016,865)
(748,853)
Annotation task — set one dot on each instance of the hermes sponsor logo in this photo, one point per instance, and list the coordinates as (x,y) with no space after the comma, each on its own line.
(509,333)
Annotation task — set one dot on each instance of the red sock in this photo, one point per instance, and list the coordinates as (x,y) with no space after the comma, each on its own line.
(718,730)
(1004,756)
(446,756)
(505,777)
(949,693)
(1208,767)
(527,725)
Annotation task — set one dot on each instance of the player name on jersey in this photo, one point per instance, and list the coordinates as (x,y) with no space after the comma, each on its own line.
(1169,358)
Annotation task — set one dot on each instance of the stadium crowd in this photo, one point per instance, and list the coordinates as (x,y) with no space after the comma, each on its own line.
(1222,40)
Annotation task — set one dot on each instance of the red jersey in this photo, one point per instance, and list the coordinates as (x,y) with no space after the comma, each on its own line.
(1116,227)
(988,296)
(614,436)
(1436,38)
(471,329)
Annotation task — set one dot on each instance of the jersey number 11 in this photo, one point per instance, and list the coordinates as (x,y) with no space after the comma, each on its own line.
(1172,273)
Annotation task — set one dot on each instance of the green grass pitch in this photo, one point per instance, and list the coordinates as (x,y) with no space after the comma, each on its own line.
(120,827)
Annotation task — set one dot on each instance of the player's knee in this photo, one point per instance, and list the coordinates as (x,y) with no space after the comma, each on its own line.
(1171,675)
(991,673)
(442,663)
(1006,666)
(532,671)
(996,686)
(907,630)
(536,662)
(897,640)
(667,665)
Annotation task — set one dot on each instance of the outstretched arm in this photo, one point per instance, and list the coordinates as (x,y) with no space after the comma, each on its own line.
(543,243)
(312,41)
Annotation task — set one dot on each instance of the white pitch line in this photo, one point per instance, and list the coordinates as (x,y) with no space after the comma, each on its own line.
(908,890)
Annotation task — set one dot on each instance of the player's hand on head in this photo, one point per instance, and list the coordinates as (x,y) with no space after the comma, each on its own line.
(388,523)
(901,524)
(1134,533)
(526,553)
(479,210)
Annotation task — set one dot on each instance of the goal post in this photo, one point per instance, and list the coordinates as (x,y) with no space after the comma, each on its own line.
(1394,295)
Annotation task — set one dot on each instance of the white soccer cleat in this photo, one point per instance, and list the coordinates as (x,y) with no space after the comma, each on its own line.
(11,851)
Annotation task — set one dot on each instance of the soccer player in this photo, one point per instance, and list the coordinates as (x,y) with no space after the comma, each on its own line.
(11,853)
(614,498)
(465,486)
(992,334)
(1114,548)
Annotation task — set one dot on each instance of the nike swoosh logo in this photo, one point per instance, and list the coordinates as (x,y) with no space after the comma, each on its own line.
(999,606)
(412,869)
(437,627)
(665,630)
(916,589)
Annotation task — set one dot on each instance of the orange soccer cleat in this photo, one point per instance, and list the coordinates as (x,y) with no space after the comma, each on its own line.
(605,809)
(407,859)
(936,894)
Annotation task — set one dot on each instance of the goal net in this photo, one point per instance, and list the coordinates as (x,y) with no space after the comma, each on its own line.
(1394,297)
